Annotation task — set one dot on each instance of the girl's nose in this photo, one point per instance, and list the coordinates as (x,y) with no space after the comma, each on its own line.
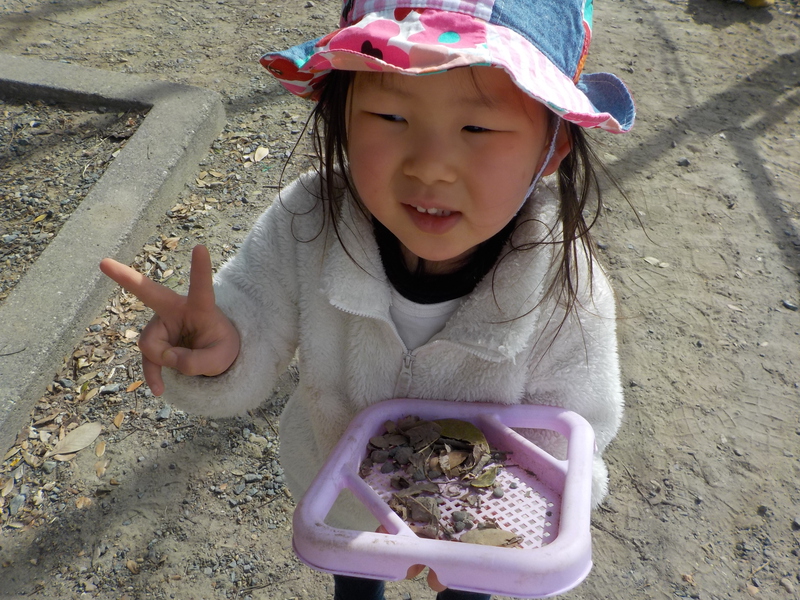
(431,159)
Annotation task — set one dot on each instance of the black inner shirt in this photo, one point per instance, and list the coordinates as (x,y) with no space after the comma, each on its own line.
(431,288)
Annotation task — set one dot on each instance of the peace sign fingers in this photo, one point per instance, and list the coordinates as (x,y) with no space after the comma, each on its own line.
(189,333)
(201,282)
(155,296)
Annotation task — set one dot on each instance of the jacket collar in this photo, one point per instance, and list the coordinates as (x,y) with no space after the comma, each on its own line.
(495,321)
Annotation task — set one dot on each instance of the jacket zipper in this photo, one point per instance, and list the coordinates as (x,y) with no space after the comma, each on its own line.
(403,385)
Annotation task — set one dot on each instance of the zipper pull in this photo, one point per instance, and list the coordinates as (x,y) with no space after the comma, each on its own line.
(403,386)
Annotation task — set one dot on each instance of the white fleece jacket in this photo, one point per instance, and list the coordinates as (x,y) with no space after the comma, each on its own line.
(293,287)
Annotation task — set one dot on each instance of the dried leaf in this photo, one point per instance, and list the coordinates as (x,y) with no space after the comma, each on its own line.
(8,485)
(419,488)
(100,467)
(423,510)
(464,431)
(89,395)
(485,479)
(77,439)
(131,334)
(454,460)
(86,377)
(33,461)
(423,435)
(11,453)
(491,537)
(47,419)
(63,457)
(260,154)
(388,440)
(121,415)
(100,449)
(83,502)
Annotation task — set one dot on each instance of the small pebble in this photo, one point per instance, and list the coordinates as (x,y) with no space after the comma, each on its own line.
(787,585)
(379,456)
(683,162)
(498,492)
(789,305)
(163,414)
(403,455)
(17,502)
(110,389)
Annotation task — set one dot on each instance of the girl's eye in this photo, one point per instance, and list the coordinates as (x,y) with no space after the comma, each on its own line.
(475,129)
(390,118)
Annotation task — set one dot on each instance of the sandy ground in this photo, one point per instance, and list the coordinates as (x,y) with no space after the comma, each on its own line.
(704,496)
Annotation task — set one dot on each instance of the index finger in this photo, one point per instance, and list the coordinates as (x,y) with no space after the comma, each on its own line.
(201,281)
(155,296)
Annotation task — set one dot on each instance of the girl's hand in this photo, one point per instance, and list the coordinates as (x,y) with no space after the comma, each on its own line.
(433,581)
(414,570)
(188,333)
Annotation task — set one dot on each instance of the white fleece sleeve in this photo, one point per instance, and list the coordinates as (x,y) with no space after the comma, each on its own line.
(258,291)
(580,370)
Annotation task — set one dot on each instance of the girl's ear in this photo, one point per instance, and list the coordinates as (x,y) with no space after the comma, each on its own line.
(563,147)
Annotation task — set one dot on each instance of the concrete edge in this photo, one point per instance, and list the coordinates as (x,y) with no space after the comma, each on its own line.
(46,313)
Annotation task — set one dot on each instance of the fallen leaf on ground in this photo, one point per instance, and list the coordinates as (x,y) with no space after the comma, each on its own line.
(100,467)
(77,439)
(63,457)
(260,154)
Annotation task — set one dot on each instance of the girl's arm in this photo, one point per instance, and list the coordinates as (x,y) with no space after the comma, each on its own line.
(580,370)
(253,300)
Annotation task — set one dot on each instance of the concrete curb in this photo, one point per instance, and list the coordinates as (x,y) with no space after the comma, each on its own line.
(46,313)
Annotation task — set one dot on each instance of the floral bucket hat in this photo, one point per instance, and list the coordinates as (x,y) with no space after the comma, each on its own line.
(542,44)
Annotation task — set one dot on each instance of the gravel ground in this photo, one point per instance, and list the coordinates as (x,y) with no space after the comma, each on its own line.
(50,157)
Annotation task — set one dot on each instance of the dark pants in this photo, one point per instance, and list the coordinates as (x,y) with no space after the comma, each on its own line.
(353,588)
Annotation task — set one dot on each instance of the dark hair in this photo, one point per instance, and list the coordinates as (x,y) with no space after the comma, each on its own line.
(577,182)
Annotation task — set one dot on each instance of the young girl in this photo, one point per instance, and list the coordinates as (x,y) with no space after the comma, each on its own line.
(424,257)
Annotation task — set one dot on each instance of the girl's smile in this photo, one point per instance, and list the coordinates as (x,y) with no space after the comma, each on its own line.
(444,161)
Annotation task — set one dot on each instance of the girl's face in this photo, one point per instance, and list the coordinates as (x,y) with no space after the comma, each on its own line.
(444,161)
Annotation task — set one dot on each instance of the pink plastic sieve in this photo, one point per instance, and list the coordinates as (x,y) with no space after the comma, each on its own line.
(547,502)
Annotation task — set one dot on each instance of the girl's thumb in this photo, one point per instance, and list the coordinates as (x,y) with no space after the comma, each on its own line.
(192,362)
(170,358)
